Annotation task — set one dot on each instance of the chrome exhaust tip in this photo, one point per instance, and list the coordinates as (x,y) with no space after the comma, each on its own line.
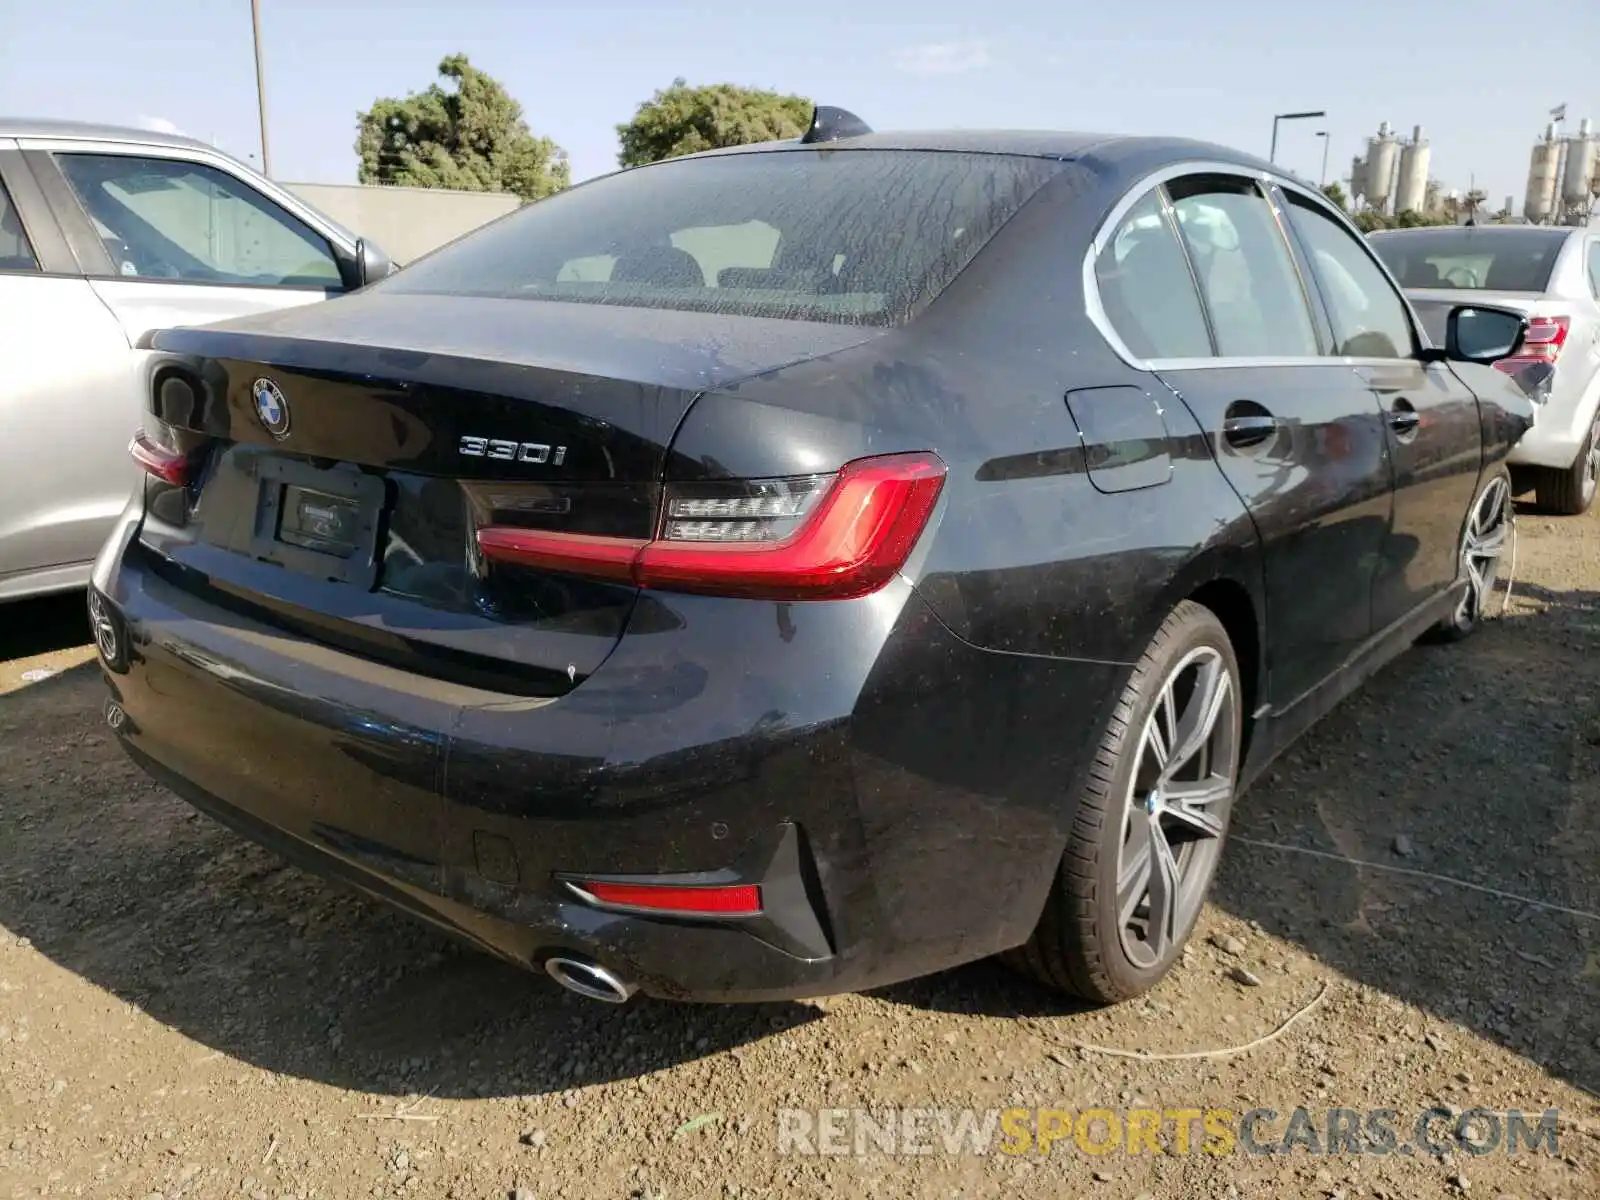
(589,979)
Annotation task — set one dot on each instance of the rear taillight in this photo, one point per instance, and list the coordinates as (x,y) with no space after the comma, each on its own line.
(820,537)
(1542,343)
(161,462)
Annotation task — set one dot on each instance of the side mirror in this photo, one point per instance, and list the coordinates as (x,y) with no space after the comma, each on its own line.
(1483,335)
(372,264)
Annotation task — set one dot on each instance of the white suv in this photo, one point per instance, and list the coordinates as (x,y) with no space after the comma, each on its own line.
(1552,274)
(105,235)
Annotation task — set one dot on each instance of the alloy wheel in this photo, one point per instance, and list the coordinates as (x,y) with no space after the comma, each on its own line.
(1482,543)
(1179,798)
(106,638)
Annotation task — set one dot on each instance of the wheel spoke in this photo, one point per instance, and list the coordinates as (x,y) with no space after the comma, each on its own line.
(1488,544)
(1156,737)
(1194,806)
(1133,877)
(1200,714)
(1475,574)
(1165,883)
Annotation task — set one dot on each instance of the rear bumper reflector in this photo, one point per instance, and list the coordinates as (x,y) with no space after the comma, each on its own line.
(691,900)
(167,465)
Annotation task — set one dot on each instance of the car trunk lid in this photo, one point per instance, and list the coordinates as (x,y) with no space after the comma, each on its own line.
(345,455)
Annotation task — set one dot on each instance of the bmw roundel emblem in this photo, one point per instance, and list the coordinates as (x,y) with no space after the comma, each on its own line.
(271,408)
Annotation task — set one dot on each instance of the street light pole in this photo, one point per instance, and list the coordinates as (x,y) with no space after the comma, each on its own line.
(1272,156)
(261,86)
(1322,179)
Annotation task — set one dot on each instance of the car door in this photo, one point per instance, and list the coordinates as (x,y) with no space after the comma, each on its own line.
(1591,309)
(175,239)
(1297,435)
(1431,419)
(63,361)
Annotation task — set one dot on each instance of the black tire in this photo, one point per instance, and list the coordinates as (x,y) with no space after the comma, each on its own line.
(1079,944)
(1492,516)
(1570,491)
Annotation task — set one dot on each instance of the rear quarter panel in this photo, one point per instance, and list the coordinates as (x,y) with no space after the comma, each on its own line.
(1505,412)
(1026,555)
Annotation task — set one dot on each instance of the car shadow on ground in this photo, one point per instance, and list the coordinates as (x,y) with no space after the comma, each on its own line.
(1477,762)
(30,627)
(115,879)
(1480,761)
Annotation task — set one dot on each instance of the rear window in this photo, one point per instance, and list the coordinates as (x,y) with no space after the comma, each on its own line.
(859,237)
(1497,260)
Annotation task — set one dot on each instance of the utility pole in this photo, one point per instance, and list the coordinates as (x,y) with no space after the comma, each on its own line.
(1322,179)
(261,87)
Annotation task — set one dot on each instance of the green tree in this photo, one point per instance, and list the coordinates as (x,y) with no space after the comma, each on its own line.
(684,120)
(1369,219)
(469,136)
(1336,193)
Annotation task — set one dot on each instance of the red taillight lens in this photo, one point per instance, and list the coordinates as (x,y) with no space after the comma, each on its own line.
(813,538)
(160,461)
(1543,342)
(735,900)
(1546,336)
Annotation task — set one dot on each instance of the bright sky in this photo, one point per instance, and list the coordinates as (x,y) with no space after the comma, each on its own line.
(1479,76)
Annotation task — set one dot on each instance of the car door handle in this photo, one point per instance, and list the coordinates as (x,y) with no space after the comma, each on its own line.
(1403,419)
(1252,430)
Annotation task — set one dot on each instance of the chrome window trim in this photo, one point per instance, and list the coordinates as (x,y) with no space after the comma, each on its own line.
(1094,308)
(1419,336)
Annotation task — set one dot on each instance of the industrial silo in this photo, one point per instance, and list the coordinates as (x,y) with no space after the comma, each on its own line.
(1382,153)
(1358,179)
(1412,193)
(1580,168)
(1539,205)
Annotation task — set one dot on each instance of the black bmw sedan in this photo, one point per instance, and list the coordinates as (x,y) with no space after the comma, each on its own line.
(792,569)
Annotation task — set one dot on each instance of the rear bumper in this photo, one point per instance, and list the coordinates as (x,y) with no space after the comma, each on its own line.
(900,795)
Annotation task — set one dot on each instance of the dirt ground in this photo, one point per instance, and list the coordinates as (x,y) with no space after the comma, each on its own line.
(182,1015)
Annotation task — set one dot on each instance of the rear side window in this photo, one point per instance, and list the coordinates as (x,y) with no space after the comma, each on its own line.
(1369,318)
(1251,287)
(1146,290)
(861,237)
(16,254)
(1466,258)
(1594,268)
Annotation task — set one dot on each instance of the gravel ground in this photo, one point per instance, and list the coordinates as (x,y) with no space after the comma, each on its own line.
(183,1015)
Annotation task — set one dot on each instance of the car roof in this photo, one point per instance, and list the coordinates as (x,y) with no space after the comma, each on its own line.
(46,127)
(1495,230)
(1063,145)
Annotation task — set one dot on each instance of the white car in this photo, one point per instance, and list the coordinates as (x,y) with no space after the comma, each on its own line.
(1551,274)
(107,234)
